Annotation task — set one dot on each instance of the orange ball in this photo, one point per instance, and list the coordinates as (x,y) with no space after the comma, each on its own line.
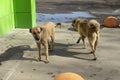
(111,22)
(68,76)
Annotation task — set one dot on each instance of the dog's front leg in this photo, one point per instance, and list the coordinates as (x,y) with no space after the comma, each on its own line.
(39,51)
(46,51)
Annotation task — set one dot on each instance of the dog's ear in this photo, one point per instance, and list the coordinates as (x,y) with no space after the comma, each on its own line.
(41,28)
(30,30)
(85,21)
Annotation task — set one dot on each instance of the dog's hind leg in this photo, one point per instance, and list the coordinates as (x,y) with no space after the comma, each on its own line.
(96,42)
(78,40)
(52,36)
(49,46)
(52,39)
(97,39)
(92,44)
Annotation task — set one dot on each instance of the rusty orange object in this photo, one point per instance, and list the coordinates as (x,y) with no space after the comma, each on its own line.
(68,76)
(111,22)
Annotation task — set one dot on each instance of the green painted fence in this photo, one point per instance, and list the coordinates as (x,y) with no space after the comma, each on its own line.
(16,14)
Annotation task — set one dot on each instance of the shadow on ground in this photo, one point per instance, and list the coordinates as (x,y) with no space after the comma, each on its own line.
(64,52)
(17,52)
(14,53)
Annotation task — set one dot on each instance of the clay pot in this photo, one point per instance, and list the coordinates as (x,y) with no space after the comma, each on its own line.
(111,22)
(68,76)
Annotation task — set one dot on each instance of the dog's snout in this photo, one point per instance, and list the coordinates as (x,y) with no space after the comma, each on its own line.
(36,37)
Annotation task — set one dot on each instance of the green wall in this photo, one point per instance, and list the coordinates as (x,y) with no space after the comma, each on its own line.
(16,14)
(6,16)
(24,13)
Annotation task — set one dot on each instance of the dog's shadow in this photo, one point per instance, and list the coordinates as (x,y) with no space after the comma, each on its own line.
(62,50)
(15,53)
(71,29)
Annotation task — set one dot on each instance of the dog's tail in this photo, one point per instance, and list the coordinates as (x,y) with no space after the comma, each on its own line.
(94,26)
(59,24)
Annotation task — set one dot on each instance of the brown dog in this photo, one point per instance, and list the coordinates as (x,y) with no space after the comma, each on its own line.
(90,29)
(42,35)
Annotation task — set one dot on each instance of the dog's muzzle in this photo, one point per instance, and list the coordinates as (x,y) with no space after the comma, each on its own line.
(37,38)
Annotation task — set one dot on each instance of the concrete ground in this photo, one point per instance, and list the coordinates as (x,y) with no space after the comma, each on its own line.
(19,54)
(18,51)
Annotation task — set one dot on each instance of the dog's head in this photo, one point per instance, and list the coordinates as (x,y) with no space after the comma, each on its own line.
(82,23)
(36,32)
(75,22)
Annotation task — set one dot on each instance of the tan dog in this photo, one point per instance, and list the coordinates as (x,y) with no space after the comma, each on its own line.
(42,35)
(90,29)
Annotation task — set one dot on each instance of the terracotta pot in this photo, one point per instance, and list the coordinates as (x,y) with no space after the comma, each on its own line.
(111,22)
(68,76)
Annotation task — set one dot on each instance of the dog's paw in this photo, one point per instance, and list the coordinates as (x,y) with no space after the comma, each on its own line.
(91,52)
(95,58)
(49,47)
(51,50)
(77,42)
(46,62)
(39,59)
